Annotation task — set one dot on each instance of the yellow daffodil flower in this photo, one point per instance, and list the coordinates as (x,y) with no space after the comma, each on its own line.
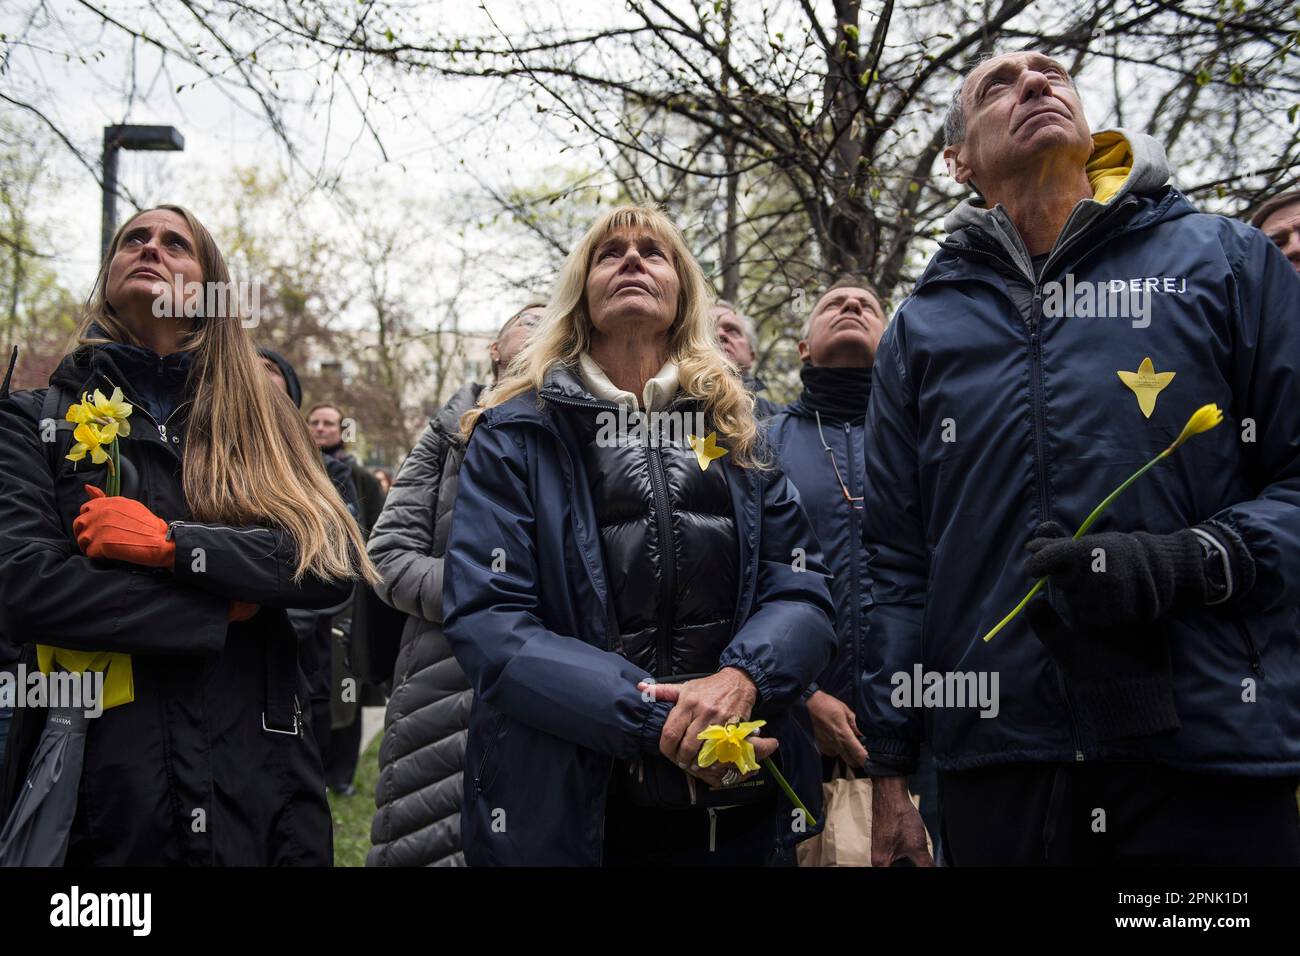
(1202,420)
(728,745)
(115,408)
(91,438)
(100,422)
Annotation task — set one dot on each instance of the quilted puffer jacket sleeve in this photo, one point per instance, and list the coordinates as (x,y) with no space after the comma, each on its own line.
(402,542)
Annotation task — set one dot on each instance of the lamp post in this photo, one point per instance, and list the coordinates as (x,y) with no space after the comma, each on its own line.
(128,137)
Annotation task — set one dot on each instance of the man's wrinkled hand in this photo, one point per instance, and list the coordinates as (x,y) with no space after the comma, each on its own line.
(897,832)
(836,729)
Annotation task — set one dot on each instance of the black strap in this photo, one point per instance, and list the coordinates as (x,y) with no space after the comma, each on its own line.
(283,712)
(54,408)
(9,373)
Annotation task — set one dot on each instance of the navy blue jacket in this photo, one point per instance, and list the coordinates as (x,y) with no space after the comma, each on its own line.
(794,437)
(526,613)
(988,416)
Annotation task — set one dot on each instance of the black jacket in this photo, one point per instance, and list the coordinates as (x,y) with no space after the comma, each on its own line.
(421,757)
(186,772)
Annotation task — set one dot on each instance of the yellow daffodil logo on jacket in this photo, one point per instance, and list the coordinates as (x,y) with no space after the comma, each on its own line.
(706,449)
(1147,384)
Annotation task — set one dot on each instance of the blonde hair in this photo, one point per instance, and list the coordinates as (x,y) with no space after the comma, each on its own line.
(249,459)
(564,334)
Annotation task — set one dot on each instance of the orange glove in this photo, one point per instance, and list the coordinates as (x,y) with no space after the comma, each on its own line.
(122,529)
(242,610)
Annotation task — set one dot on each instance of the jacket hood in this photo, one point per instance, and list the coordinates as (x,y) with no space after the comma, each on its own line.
(290,376)
(1122,162)
(116,361)
(76,369)
(447,420)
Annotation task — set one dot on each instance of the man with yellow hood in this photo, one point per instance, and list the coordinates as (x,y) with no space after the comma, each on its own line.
(1080,310)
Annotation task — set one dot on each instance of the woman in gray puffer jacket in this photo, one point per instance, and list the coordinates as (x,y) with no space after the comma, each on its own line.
(418,796)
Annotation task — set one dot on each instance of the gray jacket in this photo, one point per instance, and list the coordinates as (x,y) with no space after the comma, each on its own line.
(418,796)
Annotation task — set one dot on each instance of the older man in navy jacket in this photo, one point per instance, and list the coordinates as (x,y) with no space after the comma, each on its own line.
(1147,708)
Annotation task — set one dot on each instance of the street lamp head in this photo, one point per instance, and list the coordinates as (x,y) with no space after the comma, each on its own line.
(144,138)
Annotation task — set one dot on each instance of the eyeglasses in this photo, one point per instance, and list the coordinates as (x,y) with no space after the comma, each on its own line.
(856,503)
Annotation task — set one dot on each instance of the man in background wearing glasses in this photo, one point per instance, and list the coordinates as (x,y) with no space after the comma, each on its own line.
(818,439)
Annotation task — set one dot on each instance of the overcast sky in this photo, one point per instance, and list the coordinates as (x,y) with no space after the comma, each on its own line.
(434,131)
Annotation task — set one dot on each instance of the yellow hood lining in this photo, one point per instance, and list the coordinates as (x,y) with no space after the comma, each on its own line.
(1109,165)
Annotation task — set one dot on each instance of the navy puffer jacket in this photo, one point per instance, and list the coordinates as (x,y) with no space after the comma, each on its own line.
(527,613)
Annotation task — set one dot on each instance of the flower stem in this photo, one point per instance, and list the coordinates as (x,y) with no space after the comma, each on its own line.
(114,482)
(1038,586)
(789,792)
(1083,529)
(1106,502)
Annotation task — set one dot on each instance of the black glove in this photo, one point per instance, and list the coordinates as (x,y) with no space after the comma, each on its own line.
(1145,576)
(1120,682)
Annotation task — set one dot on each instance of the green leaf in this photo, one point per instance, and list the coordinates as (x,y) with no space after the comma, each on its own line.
(1202,76)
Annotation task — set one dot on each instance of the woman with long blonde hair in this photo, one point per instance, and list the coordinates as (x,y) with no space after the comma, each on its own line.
(175,589)
(625,569)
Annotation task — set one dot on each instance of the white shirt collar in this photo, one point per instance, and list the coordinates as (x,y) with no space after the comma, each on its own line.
(658,394)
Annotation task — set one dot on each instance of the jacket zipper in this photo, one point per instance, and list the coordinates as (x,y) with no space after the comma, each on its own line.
(855,545)
(1256,663)
(1074,724)
(1036,399)
(1040,458)
(663,520)
(1036,373)
(162,429)
(487,752)
(609,406)
(668,582)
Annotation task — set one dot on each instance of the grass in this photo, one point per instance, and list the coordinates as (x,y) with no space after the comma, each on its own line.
(352,815)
